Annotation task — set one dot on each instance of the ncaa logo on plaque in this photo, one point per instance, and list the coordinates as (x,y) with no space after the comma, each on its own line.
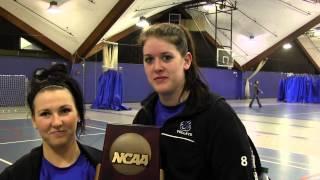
(130,154)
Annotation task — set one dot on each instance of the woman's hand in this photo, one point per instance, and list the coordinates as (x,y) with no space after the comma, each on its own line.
(161,174)
(97,172)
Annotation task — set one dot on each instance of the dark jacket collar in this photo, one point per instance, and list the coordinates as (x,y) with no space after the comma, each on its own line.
(195,103)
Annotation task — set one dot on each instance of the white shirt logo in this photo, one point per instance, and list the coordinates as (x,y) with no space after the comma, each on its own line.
(185,127)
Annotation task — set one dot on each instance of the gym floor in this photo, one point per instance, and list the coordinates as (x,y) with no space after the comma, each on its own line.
(286,135)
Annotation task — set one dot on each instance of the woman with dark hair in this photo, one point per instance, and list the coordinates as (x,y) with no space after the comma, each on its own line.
(201,135)
(56,105)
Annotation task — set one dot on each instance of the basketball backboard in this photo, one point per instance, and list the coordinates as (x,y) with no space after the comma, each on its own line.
(224,58)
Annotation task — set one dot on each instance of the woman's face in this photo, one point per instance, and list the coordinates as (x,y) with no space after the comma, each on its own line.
(55,117)
(164,66)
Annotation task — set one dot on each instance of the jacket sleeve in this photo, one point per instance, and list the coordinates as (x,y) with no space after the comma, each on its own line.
(26,167)
(18,170)
(5,175)
(94,155)
(229,148)
(136,118)
(140,118)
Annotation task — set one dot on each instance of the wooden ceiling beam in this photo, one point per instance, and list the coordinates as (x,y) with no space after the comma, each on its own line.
(98,47)
(35,34)
(113,38)
(102,28)
(276,46)
(310,58)
(124,33)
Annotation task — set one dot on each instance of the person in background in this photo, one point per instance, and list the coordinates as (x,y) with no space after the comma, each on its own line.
(256,92)
(56,105)
(201,135)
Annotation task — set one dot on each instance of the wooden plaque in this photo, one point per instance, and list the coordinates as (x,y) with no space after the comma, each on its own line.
(130,152)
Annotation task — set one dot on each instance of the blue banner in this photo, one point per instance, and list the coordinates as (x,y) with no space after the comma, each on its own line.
(299,89)
(109,92)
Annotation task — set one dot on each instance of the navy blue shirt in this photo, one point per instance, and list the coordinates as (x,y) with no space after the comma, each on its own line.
(163,113)
(80,170)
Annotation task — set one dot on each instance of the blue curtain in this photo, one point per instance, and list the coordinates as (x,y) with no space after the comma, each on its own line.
(299,89)
(109,92)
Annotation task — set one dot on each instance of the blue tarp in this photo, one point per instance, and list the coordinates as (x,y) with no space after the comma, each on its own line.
(109,92)
(300,89)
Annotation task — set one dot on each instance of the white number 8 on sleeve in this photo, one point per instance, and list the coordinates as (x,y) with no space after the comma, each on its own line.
(244,161)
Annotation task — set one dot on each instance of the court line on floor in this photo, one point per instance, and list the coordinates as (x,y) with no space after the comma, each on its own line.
(280,120)
(5,161)
(12,118)
(270,158)
(23,141)
(265,114)
(93,134)
(273,162)
(39,139)
(93,127)
(276,123)
(111,122)
(274,134)
(127,113)
(308,113)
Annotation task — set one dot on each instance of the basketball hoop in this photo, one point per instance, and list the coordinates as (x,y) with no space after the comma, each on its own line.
(224,58)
